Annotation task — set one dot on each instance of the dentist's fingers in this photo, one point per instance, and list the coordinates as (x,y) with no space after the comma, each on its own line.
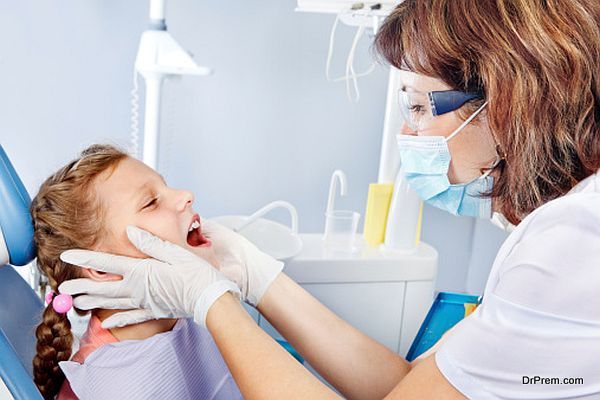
(103,262)
(218,233)
(209,226)
(127,318)
(157,248)
(91,287)
(88,302)
(220,236)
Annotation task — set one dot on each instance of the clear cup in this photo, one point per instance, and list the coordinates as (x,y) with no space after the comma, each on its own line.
(340,230)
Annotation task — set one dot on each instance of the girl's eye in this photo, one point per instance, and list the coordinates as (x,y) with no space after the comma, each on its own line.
(151,203)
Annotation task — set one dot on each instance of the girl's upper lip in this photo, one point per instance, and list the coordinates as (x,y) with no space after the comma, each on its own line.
(195,217)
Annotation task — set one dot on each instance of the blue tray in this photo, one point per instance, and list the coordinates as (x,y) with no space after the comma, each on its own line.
(291,350)
(446,311)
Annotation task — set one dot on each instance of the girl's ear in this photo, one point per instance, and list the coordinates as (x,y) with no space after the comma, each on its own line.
(100,276)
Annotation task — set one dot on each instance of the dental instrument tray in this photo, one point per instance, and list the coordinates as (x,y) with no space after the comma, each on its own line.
(446,311)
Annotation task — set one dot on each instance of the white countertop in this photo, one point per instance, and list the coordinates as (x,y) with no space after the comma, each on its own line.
(315,263)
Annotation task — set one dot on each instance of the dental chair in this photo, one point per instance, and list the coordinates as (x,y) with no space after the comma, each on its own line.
(20,307)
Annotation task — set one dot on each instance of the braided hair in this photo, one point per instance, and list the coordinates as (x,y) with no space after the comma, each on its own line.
(66,215)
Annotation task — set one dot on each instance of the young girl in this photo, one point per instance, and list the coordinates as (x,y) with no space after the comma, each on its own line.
(88,204)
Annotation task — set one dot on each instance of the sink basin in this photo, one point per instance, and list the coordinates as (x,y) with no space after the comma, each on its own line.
(275,239)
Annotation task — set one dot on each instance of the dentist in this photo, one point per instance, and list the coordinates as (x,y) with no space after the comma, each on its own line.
(501,100)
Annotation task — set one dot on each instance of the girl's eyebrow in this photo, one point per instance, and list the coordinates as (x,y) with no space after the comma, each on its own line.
(139,193)
(142,190)
(412,89)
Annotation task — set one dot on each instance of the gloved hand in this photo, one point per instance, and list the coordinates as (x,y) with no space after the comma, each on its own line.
(173,283)
(242,262)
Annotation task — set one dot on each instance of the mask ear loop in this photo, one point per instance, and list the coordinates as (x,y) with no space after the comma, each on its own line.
(500,152)
(499,157)
(461,127)
(494,165)
(466,122)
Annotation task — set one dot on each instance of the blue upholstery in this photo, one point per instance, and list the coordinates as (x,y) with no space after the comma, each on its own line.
(20,313)
(13,374)
(15,219)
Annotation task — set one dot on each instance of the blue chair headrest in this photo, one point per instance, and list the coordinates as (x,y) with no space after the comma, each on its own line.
(16,227)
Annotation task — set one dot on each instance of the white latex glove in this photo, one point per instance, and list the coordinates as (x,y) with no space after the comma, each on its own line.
(173,283)
(242,262)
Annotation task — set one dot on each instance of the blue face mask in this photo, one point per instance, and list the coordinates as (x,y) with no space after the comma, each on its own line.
(424,163)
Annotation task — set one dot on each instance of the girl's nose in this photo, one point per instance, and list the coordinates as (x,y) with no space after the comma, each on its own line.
(405,130)
(185,199)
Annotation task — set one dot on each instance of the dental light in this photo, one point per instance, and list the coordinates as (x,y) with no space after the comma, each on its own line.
(159,56)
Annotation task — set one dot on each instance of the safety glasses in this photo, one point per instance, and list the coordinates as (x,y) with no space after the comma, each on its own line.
(418,108)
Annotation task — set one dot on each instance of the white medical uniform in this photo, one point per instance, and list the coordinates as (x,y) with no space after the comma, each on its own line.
(540,314)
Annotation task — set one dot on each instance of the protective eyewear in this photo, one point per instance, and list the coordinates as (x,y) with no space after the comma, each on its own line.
(418,108)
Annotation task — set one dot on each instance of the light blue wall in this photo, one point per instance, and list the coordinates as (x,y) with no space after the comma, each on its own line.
(266,126)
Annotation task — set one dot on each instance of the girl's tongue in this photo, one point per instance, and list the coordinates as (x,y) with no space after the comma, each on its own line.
(195,238)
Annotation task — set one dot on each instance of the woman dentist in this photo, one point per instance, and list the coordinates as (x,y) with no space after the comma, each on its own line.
(501,100)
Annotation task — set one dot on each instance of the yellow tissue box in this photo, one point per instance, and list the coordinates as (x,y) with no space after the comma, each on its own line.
(378,205)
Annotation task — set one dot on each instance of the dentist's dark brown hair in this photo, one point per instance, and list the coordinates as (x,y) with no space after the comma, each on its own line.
(538,63)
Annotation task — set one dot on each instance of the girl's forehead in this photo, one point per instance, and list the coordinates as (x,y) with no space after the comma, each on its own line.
(119,186)
(127,174)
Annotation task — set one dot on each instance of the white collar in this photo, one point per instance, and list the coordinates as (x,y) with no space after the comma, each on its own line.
(591,184)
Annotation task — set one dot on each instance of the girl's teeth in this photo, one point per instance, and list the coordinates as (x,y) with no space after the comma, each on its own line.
(195,225)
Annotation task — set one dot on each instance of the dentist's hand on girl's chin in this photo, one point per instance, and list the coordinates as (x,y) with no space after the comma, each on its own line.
(242,262)
(173,283)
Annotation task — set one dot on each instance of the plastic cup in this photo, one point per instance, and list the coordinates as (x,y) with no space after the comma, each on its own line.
(340,230)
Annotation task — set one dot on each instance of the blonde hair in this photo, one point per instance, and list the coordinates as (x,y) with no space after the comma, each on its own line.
(538,63)
(66,215)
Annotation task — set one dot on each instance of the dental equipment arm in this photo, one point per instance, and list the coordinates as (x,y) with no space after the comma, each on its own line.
(159,57)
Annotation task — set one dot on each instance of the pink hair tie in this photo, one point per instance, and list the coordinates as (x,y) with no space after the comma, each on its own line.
(49,297)
(61,303)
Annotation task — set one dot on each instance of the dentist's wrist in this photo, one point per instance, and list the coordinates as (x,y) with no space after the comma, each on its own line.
(227,312)
(263,279)
(210,295)
(277,290)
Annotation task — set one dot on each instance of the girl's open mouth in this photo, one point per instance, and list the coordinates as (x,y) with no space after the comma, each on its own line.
(195,238)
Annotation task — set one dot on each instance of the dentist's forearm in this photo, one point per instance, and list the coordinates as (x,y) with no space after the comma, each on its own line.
(262,368)
(358,366)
